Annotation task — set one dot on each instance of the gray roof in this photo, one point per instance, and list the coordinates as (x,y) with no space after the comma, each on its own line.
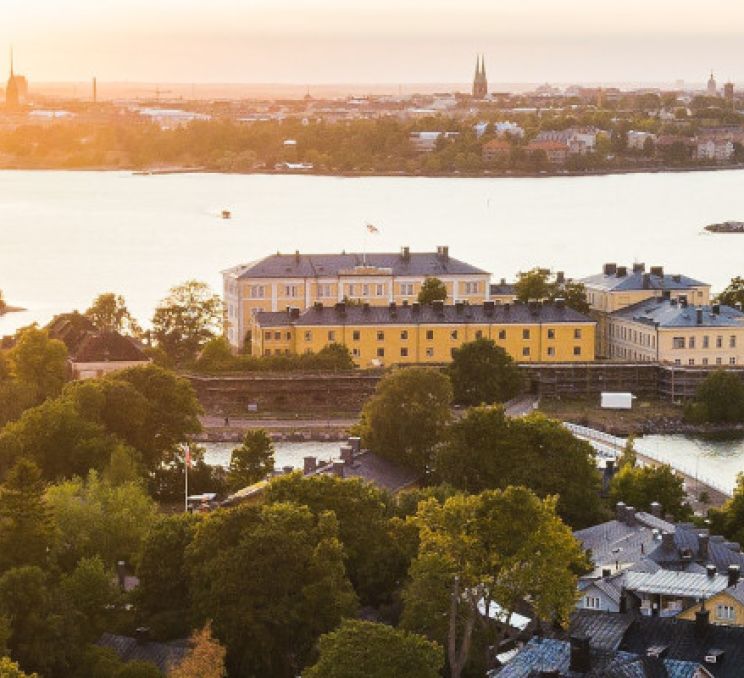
(502,287)
(687,549)
(381,472)
(164,655)
(665,313)
(675,583)
(416,264)
(640,280)
(499,314)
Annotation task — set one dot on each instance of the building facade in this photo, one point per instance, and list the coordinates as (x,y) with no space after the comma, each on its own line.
(301,280)
(379,336)
(672,331)
(618,287)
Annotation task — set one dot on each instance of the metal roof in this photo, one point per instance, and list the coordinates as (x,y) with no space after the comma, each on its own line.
(674,583)
(666,313)
(640,280)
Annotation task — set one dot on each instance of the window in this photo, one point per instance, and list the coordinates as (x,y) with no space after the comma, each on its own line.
(267,336)
(256,291)
(725,612)
(331,335)
(380,290)
(719,341)
(365,290)
(288,336)
(732,341)
(577,350)
(732,360)
(551,333)
(706,341)
(404,352)
(677,361)
(453,335)
(705,361)
(404,335)
(551,351)
(471,288)
(691,342)
(592,602)
(380,352)
(719,361)
(290,290)
(324,290)
(308,335)
(430,352)
(678,342)
(355,335)
(277,335)
(502,334)
(691,361)
(429,334)
(355,353)
(406,289)
(577,333)
(525,334)
(267,351)
(380,335)
(526,351)
(351,289)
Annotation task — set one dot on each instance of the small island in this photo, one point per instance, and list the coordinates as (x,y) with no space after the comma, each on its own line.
(726,227)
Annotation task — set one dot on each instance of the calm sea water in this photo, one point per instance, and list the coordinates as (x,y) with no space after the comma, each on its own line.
(67,236)
(285,454)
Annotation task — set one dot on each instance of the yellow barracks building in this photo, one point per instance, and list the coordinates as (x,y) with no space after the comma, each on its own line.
(427,333)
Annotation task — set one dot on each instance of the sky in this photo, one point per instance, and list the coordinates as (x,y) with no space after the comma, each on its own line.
(373,41)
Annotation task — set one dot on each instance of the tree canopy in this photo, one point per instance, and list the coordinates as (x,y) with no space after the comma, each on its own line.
(640,486)
(359,649)
(109,312)
(718,399)
(432,289)
(39,362)
(407,415)
(734,292)
(483,373)
(252,461)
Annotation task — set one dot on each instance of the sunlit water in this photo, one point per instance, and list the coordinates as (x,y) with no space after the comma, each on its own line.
(286,454)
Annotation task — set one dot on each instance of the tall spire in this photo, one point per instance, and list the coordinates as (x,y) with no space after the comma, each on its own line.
(11,62)
(477,65)
(483,65)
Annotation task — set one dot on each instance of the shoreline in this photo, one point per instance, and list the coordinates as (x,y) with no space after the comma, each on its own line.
(11,309)
(550,173)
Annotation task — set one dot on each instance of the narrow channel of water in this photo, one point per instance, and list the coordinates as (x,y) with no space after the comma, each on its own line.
(286,454)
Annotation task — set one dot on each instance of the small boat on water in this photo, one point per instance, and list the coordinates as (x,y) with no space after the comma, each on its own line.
(226,214)
(726,227)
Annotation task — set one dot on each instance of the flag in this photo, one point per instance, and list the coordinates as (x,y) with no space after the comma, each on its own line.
(371,228)
(187,457)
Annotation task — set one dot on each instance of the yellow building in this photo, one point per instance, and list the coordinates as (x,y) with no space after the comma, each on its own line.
(618,287)
(420,334)
(300,280)
(725,608)
(672,331)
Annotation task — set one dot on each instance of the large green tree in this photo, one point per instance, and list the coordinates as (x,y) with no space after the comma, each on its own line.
(359,649)
(109,312)
(729,519)
(271,578)
(487,450)
(640,486)
(734,292)
(482,372)
(494,548)
(432,289)
(407,416)
(186,319)
(719,398)
(252,461)
(39,362)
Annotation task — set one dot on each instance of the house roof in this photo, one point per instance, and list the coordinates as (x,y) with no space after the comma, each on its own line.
(426,314)
(108,347)
(640,280)
(501,287)
(687,549)
(668,313)
(379,471)
(164,655)
(416,264)
(676,583)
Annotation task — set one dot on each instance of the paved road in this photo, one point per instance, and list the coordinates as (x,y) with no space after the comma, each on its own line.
(290,423)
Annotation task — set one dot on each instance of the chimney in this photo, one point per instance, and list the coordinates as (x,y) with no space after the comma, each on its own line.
(606,572)
(142,635)
(710,570)
(639,268)
(503,281)
(347,454)
(507,306)
(297,256)
(716,309)
(488,307)
(356,444)
(560,277)
(294,313)
(699,315)
(656,509)
(393,308)
(365,307)
(666,294)
(657,271)
(702,619)
(630,518)
(581,661)
(286,470)
(459,306)
(622,271)
(703,540)
(620,512)
(734,572)
(438,306)
(560,303)
(405,253)
(443,252)
(683,300)
(309,465)
(667,540)
(341,308)
(415,307)
(121,573)
(609,269)
(338,468)
(677,277)
(738,306)
(318,305)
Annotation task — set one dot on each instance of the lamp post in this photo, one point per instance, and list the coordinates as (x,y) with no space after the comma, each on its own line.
(186,464)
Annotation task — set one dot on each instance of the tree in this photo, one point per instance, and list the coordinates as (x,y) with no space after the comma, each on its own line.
(574,293)
(297,590)
(139,669)
(482,372)
(109,312)
(25,526)
(720,398)
(39,362)
(91,590)
(186,319)
(373,560)
(10,669)
(729,519)
(532,285)
(734,292)
(359,649)
(487,450)
(497,547)
(432,289)
(206,659)
(93,518)
(628,457)
(407,416)
(643,485)
(252,461)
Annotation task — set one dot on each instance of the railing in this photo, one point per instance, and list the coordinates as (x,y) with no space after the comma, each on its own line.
(609,447)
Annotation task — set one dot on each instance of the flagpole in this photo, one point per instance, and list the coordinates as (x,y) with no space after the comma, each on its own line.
(186,480)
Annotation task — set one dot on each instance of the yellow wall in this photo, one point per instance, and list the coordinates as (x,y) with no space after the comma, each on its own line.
(711,604)
(421,343)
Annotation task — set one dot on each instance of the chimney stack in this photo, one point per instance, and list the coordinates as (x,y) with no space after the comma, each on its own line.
(656,509)
(620,512)
(716,309)
(667,540)
(405,253)
(309,465)
(356,444)
(609,269)
(699,315)
(710,570)
(702,619)
(703,540)
(338,468)
(580,656)
(347,454)
(734,573)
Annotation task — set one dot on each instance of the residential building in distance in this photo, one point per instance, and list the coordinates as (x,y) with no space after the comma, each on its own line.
(426,142)
(279,281)
(427,333)
(637,139)
(672,331)
(503,292)
(712,148)
(496,150)
(555,152)
(617,287)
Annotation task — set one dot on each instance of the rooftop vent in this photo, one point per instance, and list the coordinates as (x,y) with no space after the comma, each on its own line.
(714,656)
(657,651)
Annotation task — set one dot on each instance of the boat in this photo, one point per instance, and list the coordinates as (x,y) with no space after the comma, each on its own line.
(226,214)
(726,227)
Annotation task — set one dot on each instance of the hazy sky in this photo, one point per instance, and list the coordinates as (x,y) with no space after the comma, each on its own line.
(391,41)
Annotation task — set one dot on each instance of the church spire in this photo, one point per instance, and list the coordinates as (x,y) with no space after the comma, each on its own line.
(483,65)
(11,62)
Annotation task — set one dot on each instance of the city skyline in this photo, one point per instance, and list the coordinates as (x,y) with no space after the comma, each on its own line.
(324,41)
